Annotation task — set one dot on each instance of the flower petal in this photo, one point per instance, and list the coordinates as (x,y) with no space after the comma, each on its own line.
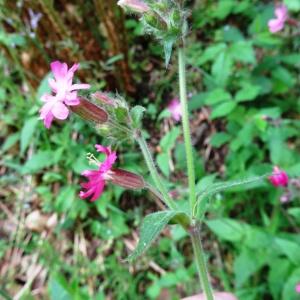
(80,86)
(48,120)
(103,149)
(108,163)
(275,25)
(53,84)
(72,99)
(88,193)
(59,69)
(73,69)
(60,111)
(98,191)
(281,12)
(46,108)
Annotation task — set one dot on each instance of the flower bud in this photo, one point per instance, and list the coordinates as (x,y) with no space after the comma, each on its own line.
(103,98)
(104,130)
(279,177)
(155,21)
(90,111)
(127,179)
(138,6)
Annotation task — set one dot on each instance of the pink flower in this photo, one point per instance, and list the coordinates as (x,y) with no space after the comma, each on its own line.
(281,14)
(135,5)
(297,288)
(97,178)
(175,108)
(64,93)
(279,177)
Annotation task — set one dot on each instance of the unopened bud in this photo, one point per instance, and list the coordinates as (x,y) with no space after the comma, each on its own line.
(90,111)
(104,130)
(176,17)
(155,21)
(127,179)
(104,98)
(134,5)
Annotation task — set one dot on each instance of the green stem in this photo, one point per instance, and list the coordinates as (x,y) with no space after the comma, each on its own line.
(186,128)
(200,260)
(155,176)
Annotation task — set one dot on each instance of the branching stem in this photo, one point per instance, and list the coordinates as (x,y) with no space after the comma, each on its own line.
(153,171)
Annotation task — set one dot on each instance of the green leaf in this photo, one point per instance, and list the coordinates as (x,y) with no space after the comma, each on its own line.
(203,184)
(216,96)
(289,292)
(219,139)
(290,249)
(121,114)
(234,231)
(247,93)
(27,132)
(164,114)
(112,60)
(58,288)
(136,114)
(232,34)
(279,268)
(44,87)
(223,109)
(65,198)
(210,53)
(295,212)
(222,68)
(38,161)
(293,5)
(223,9)
(294,170)
(284,80)
(196,101)
(247,263)
(10,141)
(169,140)
(168,46)
(227,229)
(206,194)
(243,52)
(152,226)
(11,39)
(163,163)
(291,59)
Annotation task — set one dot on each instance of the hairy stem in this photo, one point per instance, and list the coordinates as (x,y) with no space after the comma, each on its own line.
(200,261)
(186,128)
(155,176)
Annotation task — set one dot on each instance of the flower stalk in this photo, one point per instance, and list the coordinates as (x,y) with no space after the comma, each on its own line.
(200,261)
(153,171)
(186,127)
(195,227)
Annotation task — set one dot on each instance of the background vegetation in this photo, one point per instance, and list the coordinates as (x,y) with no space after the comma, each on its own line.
(243,83)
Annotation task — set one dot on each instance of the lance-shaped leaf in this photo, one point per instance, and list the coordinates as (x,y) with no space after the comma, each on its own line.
(90,111)
(168,46)
(127,179)
(151,227)
(136,114)
(204,197)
